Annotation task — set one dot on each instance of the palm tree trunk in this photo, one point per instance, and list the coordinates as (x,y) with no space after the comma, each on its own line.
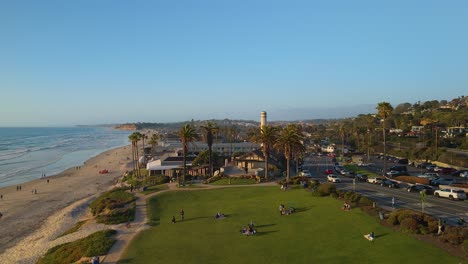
(287,168)
(210,161)
(266,164)
(384,148)
(185,165)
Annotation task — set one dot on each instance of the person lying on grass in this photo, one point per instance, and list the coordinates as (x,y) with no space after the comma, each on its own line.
(219,215)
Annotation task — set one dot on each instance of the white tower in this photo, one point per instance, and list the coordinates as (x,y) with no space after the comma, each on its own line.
(263,119)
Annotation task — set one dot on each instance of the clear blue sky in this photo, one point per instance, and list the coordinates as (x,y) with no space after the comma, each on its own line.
(88,62)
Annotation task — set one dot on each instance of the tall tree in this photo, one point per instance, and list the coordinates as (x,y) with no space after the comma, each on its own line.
(210,129)
(265,136)
(290,141)
(384,109)
(187,134)
(134,138)
(153,141)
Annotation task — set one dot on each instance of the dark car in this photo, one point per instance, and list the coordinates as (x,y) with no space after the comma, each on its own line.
(423,165)
(389,184)
(403,161)
(398,168)
(458,173)
(361,177)
(448,170)
(420,187)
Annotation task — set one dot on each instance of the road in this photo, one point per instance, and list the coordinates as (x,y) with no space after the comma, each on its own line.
(443,208)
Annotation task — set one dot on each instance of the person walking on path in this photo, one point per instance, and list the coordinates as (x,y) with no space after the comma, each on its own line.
(173,220)
(393,202)
(182,215)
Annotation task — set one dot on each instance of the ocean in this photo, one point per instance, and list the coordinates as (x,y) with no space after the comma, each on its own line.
(28,153)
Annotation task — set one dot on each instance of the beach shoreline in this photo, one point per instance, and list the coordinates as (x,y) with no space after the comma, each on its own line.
(26,211)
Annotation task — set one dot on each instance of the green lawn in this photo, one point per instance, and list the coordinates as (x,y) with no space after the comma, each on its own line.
(319,232)
(234,181)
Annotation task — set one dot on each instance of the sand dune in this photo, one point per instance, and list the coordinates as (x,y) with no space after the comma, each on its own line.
(31,222)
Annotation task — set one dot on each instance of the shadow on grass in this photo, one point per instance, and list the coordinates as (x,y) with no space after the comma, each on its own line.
(265,233)
(125,261)
(265,225)
(381,235)
(196,218)
(301,209)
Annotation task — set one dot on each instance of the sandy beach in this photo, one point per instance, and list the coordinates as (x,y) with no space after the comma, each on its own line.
(31,220)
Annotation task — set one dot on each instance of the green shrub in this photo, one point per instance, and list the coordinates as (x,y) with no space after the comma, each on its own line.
(393,219)
(95,244)
(326,189)
(117,216)
(333,195)
(403,214)
(453,235)
(410,225)
(433,226)
(365,201)
(115,198)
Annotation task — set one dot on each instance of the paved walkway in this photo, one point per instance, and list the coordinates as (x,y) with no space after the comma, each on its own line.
(126,234)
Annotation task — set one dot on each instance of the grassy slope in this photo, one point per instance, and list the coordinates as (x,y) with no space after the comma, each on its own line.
(318,232)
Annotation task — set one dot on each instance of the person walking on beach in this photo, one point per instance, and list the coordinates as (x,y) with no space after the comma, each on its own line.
(47,180)
(182,215)
(393,202)
(1,196)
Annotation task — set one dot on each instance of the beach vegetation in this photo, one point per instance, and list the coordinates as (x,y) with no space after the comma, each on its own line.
(74,228)
(96,244)
(113,207)
(155,188)
(311,234)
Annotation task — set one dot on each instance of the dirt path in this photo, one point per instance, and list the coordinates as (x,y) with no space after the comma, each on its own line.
(125,235)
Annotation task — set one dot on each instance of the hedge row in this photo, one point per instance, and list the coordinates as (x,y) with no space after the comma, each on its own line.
(413,179)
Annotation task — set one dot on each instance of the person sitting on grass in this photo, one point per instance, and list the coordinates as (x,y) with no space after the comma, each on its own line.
(370,236)
(346,207)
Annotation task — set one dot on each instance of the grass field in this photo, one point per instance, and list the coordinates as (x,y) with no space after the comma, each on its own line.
(319,232)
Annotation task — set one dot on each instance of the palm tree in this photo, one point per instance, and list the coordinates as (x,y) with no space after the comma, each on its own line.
(210,129)
(266,136)
(290,142)
(153,142)
(134,138)
(143,137)
(187,134)
(384,111)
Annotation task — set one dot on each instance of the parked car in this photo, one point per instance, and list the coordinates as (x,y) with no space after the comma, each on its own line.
(423,165)
(390,184)
(430,167)
(429,175)
(361,177)
(398,168)
(305,173)
(447,170)
(333,178)
(328,171)
(459,173)
(464,174)
(393,174)
(420,187)
(403,161)
(375,180)
(452,194)
(442,181)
